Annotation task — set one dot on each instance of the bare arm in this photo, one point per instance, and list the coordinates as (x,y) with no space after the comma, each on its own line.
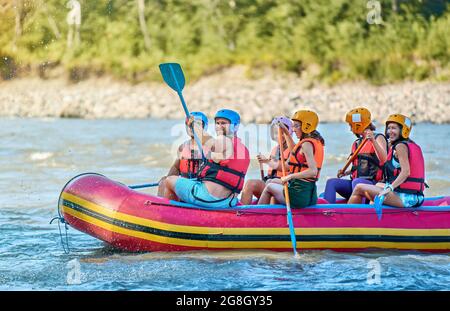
(272,161)
(290,142)
(175,168)
(198,130)
(222,149)
(402,154)
(380,148)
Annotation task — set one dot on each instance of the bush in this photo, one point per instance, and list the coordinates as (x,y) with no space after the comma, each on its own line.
(205,36)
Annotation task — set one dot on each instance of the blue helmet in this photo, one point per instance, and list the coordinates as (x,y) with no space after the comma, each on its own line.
(231,116)
(201,116)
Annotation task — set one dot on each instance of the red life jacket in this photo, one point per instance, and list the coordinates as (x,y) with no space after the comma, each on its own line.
(367,165)
(275,154)
(190,160)
(415,183)
(229,173)
(297,161)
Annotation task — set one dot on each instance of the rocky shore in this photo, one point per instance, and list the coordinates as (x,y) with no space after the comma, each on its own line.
(258,99)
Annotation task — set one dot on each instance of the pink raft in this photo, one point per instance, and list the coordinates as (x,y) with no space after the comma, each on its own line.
(135,221)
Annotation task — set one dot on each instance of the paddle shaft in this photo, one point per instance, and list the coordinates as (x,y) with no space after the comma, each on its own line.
(286,194)
(261,169)
(144,186)
(355,154)
(178,87)
(186,111)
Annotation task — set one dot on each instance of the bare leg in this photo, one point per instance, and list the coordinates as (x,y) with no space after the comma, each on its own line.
(362,190)
(272,190)
(274,181)
(392,199)
(253,187)
(162,187)
(169,192)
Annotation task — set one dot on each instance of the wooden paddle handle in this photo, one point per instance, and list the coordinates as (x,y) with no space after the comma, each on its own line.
(355,154)
(286,195)
(283,169)
(261,169)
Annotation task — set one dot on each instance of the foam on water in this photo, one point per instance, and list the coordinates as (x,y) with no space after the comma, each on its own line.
(39,156)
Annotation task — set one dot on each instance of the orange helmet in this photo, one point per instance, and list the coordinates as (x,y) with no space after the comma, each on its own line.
(308,118)
(359,119)
(404,121)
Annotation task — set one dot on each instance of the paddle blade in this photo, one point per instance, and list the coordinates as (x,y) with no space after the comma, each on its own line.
(379,205)
(292,232)
(173,75)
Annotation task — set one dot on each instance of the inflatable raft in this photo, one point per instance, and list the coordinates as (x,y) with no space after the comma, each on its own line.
(134,221)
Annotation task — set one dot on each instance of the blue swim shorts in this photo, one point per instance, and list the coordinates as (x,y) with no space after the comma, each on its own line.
(410,199)
(195,192)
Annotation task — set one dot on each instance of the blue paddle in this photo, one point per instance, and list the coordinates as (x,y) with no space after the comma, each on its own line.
(174,77)
(378,202)
(144,186)
(286,195)
(379,205)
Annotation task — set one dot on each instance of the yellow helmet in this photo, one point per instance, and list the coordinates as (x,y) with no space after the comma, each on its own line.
(359,119)
(308,118)
(404,121)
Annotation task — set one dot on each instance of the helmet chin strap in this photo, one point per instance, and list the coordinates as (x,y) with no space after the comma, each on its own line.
(233,129)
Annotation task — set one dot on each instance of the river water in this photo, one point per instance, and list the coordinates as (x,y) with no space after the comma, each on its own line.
(38,156)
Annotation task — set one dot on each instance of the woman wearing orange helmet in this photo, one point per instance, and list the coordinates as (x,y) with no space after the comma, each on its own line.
(305,162)
(404,170)
(367,166)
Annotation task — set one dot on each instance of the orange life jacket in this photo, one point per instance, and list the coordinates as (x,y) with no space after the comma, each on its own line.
(190,160)
(366,164)
(229,173)
(275,154)
(297,161)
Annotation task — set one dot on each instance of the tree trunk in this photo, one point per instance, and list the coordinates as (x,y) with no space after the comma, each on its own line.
(395,6)
(51,21)
(143,24)
(18,28)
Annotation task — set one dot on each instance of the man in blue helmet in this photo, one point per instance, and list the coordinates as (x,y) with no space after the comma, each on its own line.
(221,178)
(189,158)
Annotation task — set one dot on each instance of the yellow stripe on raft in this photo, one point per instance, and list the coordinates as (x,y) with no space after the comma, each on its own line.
(248,231)
(253,244)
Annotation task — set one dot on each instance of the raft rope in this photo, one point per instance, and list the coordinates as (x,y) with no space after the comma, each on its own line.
(303,211)
(65,242)
(61,220)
